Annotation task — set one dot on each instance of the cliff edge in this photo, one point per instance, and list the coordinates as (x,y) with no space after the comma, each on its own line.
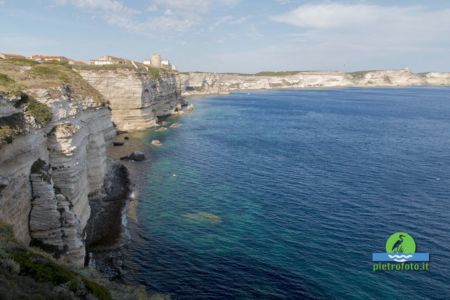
(56,123)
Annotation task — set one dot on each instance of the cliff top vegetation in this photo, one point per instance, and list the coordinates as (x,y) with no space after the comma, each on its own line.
(25,75)
(153,72)
(30,273)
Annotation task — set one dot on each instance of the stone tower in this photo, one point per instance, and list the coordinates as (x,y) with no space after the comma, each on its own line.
(155,60)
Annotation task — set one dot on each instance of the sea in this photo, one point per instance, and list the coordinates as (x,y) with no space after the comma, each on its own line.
(285,194)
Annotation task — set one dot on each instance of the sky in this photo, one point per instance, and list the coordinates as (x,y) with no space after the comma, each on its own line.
(236,35)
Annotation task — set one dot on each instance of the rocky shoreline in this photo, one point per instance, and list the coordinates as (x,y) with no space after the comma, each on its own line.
(63,187)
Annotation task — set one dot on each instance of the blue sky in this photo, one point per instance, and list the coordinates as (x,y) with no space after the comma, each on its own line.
(236,35)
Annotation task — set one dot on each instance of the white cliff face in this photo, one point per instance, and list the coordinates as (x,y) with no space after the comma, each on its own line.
(53,224)
(50,205)
(52,176)
(217,83)
(135,98)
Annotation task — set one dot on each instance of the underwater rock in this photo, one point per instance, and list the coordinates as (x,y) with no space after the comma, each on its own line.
(203,216)
(156,143)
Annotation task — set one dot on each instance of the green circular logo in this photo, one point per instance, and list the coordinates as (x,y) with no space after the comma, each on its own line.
(400,242)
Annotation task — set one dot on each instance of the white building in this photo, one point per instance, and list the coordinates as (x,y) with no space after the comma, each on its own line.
(109,60)
(156,61)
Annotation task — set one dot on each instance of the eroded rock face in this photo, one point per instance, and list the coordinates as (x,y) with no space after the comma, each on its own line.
(135,98)
(54,174)
(50,207)
(53,224)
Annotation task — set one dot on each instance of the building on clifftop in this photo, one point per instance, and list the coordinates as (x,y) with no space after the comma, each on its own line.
(109,60)
(156,61)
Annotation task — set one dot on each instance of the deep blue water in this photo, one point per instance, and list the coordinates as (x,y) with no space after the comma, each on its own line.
(303,186)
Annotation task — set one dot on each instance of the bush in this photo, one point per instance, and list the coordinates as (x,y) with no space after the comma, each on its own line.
(7,135)
(97,290)
(40,112)
(41,270)
(8,85)
(155,73)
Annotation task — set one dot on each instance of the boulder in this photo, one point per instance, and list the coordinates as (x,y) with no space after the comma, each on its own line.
(135,155)
(156,143)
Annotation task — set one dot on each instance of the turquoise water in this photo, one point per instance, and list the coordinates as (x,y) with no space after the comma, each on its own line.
(286,195)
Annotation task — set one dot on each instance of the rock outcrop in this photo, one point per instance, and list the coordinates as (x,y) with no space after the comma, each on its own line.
(50,173)
(136,98)
(53,224)
(58,190)
(222,83)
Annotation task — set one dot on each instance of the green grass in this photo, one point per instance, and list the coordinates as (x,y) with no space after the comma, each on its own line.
(113,67)
(155,73)
(8,85)
(29,273)
(29,75)
(7,135)
(15,124)
(97,290)
(42,113)
(41,269)
(20,61)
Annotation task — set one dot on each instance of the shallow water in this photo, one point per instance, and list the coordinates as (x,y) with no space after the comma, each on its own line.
(286,194)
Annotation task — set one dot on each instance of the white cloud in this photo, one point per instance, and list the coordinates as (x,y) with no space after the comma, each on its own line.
(162,15)
(360,16)
(111,6)
(370,28)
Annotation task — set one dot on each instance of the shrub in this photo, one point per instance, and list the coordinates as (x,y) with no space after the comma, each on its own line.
(97,290)
(41,270)
(40,112)
(8,85)
(155,73)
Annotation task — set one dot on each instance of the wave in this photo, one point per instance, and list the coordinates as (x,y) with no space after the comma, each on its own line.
(400,258)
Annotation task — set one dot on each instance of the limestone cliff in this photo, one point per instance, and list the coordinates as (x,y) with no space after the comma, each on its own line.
(55,127)
(222,83)
(136,97)
(49,173)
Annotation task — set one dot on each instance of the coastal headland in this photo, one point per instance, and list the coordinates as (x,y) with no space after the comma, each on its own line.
(59,189)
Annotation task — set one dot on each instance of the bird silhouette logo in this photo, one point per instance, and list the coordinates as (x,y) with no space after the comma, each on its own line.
(400,243)
(400,248)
